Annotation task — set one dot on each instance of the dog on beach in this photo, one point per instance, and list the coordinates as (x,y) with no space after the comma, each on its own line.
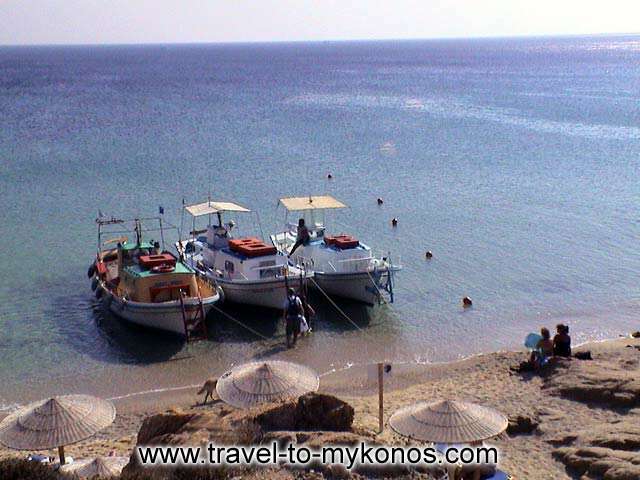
(208,389)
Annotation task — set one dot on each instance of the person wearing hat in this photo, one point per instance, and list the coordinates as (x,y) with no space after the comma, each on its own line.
(293,316)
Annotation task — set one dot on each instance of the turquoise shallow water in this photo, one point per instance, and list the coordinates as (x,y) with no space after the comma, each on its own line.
(514,161)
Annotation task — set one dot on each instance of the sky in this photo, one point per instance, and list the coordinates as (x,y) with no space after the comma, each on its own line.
(194,21)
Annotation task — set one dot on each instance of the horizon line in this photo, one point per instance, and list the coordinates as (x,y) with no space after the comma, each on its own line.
(335,40)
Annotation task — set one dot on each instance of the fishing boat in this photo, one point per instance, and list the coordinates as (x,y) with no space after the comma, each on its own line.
(342,265)
(144,284)
(248,270)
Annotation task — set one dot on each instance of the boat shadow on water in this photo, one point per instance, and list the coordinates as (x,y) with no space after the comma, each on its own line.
(100,334)
(232,322)
(349,314)
(97,332)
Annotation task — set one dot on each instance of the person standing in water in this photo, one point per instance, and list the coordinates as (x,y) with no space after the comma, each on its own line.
(293,316)
(302,236)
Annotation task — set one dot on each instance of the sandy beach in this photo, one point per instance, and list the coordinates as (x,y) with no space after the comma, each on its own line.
(554,402)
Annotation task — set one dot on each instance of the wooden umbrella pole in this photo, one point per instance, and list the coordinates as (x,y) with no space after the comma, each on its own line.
(380,397)
(61,454)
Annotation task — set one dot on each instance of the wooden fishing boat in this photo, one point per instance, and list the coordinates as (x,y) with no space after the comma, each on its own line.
(146,285)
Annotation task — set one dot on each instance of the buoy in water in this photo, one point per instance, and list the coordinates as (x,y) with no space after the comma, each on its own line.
(329,176)
(466,302)
(394,222)
(428,254)
(380,201)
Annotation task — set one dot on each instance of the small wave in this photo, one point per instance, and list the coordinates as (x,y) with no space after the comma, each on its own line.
(454,108)
(155,390)
(9,407)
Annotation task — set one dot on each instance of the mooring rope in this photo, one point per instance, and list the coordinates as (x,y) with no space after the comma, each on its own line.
(335,305)
(230,317)
(381,295)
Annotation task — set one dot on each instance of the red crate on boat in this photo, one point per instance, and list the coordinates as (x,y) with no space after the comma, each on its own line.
(329,240)
(251,247)
(236,243)
(258,250)
(341,241)
(150,261)
(346,241)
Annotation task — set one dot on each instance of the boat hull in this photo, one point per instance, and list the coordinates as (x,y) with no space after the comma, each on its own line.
(270,293)
(358,286)
(165,316)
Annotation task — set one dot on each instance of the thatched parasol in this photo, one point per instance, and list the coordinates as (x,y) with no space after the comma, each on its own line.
(264,382)
(448,421)
(96,467)
(56,422)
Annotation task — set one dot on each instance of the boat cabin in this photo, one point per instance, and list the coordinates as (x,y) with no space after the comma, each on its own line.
(229,257)
(149,276)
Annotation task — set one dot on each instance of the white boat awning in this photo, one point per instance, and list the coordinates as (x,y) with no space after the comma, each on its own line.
(209,208)
(311,203)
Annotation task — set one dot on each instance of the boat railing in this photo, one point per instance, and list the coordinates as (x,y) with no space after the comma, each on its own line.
(366,260)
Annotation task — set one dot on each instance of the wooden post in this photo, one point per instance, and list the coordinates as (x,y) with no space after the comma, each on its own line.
(380,397)
(61,454)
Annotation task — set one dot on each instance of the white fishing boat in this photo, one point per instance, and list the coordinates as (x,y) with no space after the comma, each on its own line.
(248,270)
(342,265)
(148,286)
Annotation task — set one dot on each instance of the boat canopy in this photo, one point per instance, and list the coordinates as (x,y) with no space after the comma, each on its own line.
(210,208)
(320,202)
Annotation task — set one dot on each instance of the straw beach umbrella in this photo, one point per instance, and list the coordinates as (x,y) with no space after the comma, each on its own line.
(56,422)
(96,467)
(448,421)
(264,382)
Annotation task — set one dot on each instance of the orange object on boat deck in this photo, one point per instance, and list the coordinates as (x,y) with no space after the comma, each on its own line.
(251,247)
(101,268)
(341,241)
(151,261)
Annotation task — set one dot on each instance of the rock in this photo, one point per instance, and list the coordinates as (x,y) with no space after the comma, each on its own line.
(610,451)
(635,334)
(314,419)
(277,417)
(604,463)
(316,411)
(522,425)
(281,438)
(162,424)
(612,384)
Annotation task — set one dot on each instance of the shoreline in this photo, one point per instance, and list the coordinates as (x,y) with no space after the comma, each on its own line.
(485,378)
(151,395)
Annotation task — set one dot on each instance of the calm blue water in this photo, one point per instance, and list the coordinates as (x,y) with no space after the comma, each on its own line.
(515,161)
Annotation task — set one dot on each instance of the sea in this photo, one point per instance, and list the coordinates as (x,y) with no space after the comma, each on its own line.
(514,160)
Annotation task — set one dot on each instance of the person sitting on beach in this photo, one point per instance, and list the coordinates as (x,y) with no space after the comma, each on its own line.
(293,317)
(302,236)
(543,350)
(562,341)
